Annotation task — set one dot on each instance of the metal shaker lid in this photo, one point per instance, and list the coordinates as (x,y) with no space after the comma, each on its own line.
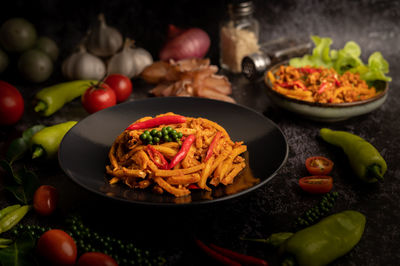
(254,65)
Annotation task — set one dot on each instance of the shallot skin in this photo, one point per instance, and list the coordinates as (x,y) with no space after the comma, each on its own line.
(191,43)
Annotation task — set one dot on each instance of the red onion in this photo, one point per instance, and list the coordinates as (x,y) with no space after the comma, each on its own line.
(183,44)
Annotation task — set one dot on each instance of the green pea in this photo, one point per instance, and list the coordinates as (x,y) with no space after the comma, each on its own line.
(159,134)
(153,132)
(143,137)
(180,134)
(156,139)
(149,138)
(164,131)
(150,142)
(167,138)
(174,136)
(146,132)
(173,132)
(169,129)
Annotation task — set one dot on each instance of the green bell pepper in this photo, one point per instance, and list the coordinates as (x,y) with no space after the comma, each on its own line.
(365,160)
(45,143)
(322,243)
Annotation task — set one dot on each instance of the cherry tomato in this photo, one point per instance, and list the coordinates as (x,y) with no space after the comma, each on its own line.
(316,184)
(319,165)
(96,259)
(57,247)
(11,104)
(98,97)
(45,199)
(121,85)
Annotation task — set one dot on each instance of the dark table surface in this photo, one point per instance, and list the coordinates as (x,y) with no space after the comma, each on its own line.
(271,208)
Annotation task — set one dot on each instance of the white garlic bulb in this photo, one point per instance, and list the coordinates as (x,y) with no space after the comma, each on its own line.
(104,40)
(83,65)
(130,61)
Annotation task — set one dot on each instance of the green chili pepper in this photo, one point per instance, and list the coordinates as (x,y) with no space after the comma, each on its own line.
(45,143)
(325,241)
(366,161)
(13,218)
(7,210)
(53,98)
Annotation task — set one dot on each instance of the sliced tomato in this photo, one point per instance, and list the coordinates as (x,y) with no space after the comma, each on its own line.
(318,184)
(319,165)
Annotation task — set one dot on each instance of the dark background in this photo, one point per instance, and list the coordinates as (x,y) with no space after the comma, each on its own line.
(273,208)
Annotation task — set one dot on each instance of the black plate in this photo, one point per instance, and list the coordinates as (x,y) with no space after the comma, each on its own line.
(83,151)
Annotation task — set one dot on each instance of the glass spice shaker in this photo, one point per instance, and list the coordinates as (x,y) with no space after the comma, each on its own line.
(254,65)
(239,35)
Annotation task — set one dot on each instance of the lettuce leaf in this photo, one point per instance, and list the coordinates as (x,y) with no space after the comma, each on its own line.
(346,59)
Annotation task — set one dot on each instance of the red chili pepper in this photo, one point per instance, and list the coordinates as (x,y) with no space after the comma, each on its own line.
(212,146)
(215,255)
(285,85)
(309,70)
(193,186)
(300,85)
(337,82)
(183,151)
(245,259)
(161,120)
(322,88)
(154,154)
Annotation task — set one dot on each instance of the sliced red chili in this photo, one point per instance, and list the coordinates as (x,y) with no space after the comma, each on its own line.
(309,70)
(193,186)
(183,151)
(322,88)
(157,157)
(242,258)
(212,146)
(285,85)
(319,165)
(316,184)
(300,85)
(216,255)
(161,120)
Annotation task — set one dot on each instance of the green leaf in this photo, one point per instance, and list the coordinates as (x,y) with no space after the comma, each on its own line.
(20,253)
(18,192)
(30,183)
(10,172)
(18,147)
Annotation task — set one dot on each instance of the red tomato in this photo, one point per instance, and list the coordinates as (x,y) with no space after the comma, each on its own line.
(121,85)
(57,247)
(96,259)
(45,199)
(98,97)
(11,104)
(319,165)
(316,184)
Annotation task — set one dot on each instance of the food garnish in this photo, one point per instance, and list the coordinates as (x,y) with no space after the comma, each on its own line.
(319,165)
(316,184)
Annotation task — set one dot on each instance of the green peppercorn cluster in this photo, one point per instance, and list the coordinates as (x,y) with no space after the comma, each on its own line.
(124,252)
(89,240)
(166,134)
(316,213)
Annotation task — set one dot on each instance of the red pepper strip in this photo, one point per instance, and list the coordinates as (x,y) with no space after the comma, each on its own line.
(285,85)
(214,142)
(193,186)
(183,151)
(337,82)
(242,258)
(154,154)
(215,255)
(309,70)
(322,88)
(156,121)
(300,85)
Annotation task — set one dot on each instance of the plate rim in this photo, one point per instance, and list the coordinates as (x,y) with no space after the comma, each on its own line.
(171,204)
